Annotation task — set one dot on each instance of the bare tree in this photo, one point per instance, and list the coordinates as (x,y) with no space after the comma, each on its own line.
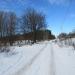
(33,21)
(11,26)
(5,24)
(11,23)
(62,36)
(1,23)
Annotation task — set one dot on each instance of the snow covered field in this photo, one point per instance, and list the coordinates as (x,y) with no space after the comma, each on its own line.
(45,58)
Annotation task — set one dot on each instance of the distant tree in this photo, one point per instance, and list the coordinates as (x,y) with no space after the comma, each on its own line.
(11,23)
(1,23)
(33,21)
(73,31)
(18,27)
(11,26)
(5,24)
(62,36)
(72,34)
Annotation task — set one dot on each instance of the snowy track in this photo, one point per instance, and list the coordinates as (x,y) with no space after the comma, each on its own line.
(30,55)
(52,66)
(29,64)
(45,58)
(41,64)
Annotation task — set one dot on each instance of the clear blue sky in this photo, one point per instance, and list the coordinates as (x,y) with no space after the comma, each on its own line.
(60,14)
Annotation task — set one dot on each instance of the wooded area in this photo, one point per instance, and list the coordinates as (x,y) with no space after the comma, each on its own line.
(30,26)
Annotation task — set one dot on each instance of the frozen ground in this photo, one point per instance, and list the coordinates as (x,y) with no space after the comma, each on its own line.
(45,58)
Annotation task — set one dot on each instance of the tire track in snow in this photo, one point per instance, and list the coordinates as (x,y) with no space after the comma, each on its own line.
(52,66)
(26,67)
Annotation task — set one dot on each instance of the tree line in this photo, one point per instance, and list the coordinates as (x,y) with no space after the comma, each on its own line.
(67,35)
(30,21)
(7,23)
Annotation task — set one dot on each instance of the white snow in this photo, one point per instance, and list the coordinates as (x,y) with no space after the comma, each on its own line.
(45,58)
(64,60)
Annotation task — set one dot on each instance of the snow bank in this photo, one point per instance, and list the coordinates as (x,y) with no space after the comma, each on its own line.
(24,54)
(45,58)
(64,60)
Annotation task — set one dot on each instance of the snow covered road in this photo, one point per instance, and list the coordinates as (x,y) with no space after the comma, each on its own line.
(41,64)
(27,67)
(45,58)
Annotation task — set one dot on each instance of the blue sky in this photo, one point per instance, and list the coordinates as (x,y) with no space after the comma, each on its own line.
(60,14)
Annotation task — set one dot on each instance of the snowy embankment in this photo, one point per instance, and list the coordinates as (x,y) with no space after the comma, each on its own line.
(64,58)
(24,56)
(45,58)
